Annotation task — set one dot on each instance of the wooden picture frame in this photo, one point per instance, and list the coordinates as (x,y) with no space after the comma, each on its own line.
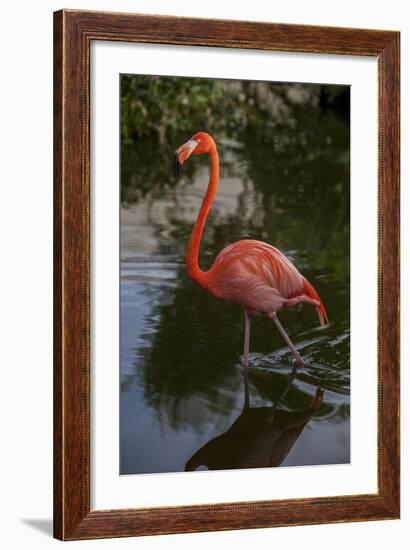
(73,33)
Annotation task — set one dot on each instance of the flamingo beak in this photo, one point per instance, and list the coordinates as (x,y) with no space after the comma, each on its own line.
(176,165)
(182,153)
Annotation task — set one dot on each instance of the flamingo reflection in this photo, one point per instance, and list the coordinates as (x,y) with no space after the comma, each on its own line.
(260,437)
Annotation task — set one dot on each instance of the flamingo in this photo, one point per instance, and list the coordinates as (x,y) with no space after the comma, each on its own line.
(253,274)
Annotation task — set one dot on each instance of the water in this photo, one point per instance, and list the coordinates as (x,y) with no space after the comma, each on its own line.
(184,401)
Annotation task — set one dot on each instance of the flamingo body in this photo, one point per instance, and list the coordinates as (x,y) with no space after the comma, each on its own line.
(259,278)
(253,274)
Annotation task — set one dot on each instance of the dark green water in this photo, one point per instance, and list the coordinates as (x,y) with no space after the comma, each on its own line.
(182,389)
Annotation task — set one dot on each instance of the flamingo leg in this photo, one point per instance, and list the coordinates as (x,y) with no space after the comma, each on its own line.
(288,341)
(246,340)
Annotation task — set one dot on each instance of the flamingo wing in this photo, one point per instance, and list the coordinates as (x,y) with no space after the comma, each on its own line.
(261,279)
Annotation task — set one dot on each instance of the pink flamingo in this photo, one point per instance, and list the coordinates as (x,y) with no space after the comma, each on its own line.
(253,274)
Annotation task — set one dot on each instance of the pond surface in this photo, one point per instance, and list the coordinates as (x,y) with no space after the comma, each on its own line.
(185,403)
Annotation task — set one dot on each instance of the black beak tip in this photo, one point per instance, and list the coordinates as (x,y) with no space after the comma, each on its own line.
(176,165)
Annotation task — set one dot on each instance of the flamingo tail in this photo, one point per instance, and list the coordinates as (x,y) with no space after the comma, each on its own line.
(321,311)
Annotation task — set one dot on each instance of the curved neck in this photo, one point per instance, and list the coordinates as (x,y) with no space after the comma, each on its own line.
(194,271)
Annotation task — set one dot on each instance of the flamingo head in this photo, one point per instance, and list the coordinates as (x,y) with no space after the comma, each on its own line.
(199,144)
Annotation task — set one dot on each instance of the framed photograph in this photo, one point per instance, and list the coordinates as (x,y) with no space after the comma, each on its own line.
(226,275)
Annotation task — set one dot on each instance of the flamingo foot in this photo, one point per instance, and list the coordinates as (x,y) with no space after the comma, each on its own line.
(299,360)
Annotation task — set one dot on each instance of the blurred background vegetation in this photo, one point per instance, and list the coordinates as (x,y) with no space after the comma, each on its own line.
(286,122)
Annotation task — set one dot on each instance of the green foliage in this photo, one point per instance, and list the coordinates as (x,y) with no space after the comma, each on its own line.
(161,109)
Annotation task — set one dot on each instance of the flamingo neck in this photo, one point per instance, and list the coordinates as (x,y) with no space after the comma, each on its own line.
(194,271)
